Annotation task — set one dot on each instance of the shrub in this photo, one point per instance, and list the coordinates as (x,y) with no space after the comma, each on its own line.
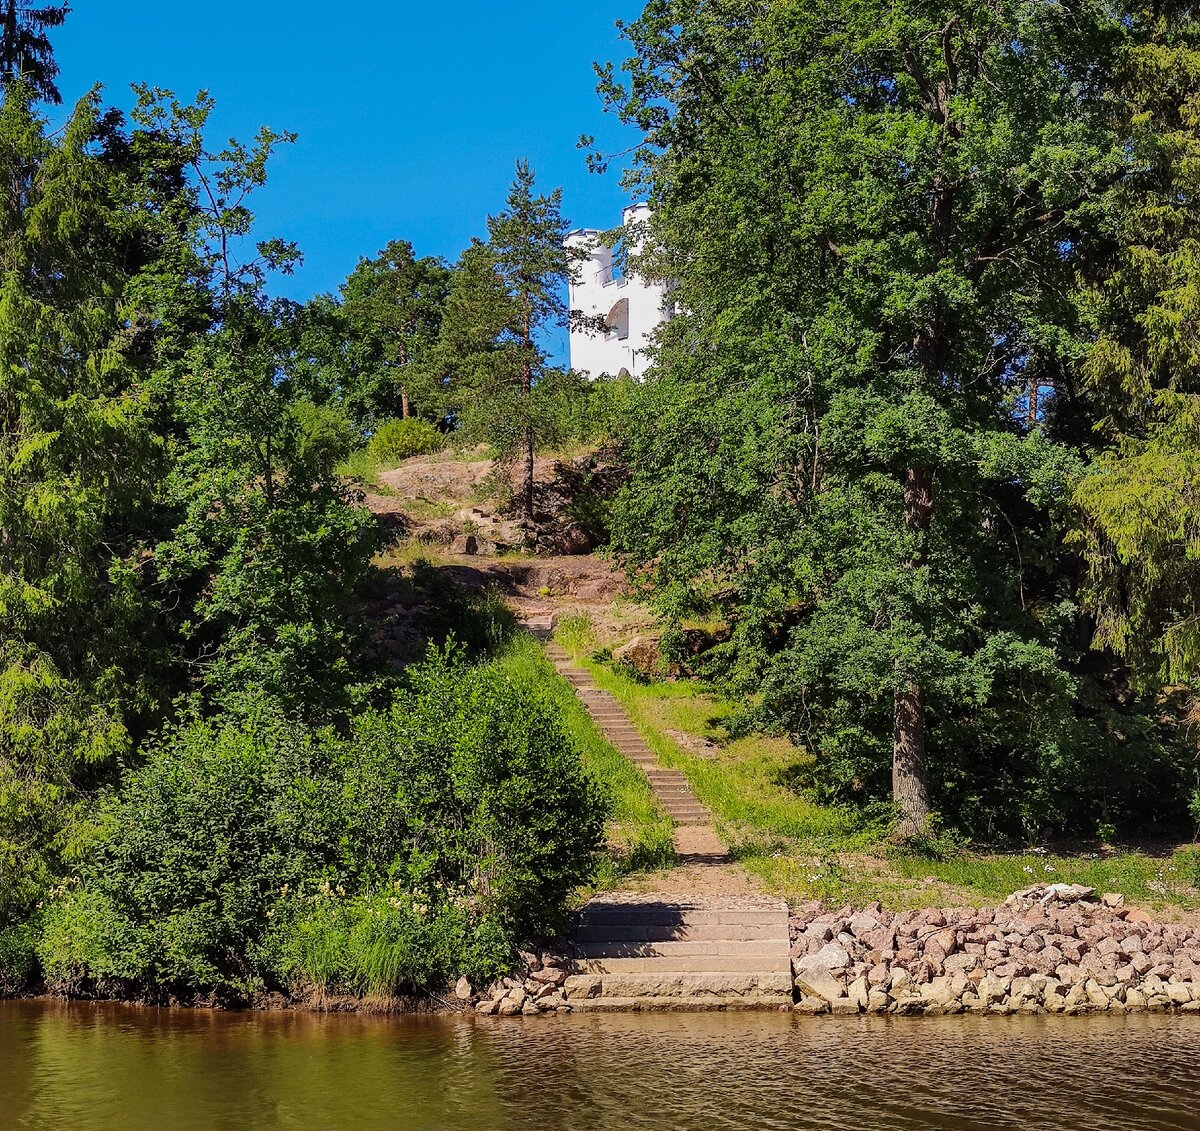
(253,853)
(397,440)
(177,892)
(18,959)
(326,435)
(498,812)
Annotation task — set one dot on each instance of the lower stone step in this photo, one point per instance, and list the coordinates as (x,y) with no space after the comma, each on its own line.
(731,1004)
(679,985)
(769,951)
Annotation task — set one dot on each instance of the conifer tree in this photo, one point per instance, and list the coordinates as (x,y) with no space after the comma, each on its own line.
(1141,498)
(25,52)
(508,293)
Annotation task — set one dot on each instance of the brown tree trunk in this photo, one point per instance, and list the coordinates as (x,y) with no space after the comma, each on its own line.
(404,409)
(527,393)
(529,472)
(1035,391)
(909,791)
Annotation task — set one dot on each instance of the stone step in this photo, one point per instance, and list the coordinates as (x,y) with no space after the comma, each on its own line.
(707,1004)
(769,951)
(687,932)
(676,964)
(652,912)
(678,985)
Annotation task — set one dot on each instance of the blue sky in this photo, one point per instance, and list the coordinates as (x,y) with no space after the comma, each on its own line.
(410,115)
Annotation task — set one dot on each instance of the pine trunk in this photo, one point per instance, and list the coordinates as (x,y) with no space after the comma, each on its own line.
(529,472)
(909,791)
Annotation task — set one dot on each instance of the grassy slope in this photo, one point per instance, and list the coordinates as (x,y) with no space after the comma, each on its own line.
(640,833)
(807,851)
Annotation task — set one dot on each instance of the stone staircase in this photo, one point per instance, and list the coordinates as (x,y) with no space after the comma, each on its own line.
(635,951)
(648,952)
(669,786)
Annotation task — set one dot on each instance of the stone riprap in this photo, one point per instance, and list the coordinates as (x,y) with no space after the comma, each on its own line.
(537,987)
(1052,949)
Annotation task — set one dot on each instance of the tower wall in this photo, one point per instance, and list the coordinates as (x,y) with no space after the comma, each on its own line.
(632,307)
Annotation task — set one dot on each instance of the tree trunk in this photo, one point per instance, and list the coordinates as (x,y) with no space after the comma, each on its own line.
(909,791)
(404,409)
(908,760)
(529,472)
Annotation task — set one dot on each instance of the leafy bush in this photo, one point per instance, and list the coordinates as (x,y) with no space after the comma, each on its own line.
(255,853)
(492,797)
(18,959)
(397,440)
(326,435)
(188,861)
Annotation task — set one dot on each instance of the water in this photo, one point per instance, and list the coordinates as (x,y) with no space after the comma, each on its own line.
(108,1068)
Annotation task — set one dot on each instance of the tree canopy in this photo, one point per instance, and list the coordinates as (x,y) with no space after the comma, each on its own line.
(861,438)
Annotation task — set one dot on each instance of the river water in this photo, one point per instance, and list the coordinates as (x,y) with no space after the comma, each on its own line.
(110,1068)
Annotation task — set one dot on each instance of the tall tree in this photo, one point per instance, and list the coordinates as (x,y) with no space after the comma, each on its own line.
(393,305)
(874,211)
(508,293)
(25,51)
(366,350)
(1141,498)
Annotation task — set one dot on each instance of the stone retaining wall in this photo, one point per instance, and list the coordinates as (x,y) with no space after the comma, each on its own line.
(1051,949)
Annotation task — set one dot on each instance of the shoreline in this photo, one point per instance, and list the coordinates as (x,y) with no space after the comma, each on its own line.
(1051,949)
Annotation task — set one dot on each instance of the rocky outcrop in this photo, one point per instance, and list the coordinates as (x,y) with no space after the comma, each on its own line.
(1055,949)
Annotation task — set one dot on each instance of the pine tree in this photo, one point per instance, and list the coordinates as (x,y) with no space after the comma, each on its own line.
(1141,499)
(506,295)
(25,52)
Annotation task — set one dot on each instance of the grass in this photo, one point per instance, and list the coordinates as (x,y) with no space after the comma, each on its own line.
(640,833)
(802,850)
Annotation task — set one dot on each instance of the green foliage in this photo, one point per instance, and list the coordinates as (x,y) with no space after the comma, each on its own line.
(387,944)
(252,853)
(325,434)
(18,959)
(25,53)
(877,216)
(397,440)
(366,351)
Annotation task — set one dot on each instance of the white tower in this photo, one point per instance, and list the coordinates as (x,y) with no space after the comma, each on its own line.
(631,307)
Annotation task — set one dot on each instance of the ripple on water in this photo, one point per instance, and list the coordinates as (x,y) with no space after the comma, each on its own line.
(90,1068)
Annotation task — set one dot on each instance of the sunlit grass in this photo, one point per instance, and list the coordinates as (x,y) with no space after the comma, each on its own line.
(640,833)
(802,850)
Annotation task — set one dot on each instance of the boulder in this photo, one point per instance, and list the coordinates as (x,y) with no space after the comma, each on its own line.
(642,654)
(550,975)
(832,956)
(463,989)
(815,979)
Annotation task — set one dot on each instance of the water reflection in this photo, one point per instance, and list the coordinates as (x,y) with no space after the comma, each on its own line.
(106,1068)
